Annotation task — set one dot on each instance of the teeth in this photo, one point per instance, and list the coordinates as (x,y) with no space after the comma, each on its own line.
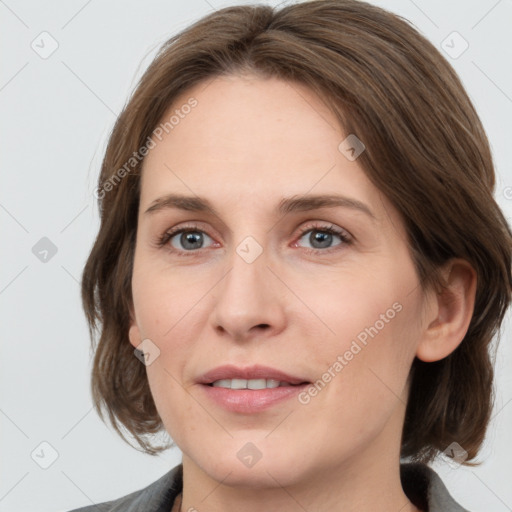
(249,383)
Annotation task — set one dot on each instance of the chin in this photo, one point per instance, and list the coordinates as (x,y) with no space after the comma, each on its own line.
(239,464)
(234,474)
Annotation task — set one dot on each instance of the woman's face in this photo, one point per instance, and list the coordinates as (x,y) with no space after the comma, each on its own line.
(263,286)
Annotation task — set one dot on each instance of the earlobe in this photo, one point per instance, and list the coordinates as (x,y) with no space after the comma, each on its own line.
(454,309)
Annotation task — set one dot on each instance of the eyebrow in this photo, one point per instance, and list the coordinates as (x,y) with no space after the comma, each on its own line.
(285,206)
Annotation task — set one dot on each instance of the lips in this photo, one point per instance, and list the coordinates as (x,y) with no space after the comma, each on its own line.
(241,391)
(227,372)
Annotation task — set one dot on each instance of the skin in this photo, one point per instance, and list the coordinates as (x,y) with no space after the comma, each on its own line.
(248,143)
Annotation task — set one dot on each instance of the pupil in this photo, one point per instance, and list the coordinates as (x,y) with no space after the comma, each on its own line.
(323,238)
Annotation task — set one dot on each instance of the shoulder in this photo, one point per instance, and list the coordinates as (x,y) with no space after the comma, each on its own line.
(426,490)
(156,497)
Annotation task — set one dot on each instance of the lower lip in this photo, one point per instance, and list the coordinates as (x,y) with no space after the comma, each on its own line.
(251,400)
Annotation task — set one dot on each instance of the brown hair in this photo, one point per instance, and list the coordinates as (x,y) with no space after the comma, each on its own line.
(426,150)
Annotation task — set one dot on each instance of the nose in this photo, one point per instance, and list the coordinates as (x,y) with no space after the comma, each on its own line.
(249,300)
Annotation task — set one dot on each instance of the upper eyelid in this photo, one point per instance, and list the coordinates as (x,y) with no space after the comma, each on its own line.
(317,224)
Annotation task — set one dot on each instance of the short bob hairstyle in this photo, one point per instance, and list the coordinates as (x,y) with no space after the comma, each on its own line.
(426,151)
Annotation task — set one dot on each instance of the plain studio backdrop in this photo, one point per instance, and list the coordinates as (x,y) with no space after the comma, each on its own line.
(67,70)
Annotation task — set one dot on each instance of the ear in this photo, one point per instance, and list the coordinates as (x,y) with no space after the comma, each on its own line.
(450,312)
(134,331)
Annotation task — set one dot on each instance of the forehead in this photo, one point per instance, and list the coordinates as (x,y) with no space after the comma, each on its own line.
(252,140)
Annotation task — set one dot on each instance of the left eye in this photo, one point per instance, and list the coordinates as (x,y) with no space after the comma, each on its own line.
(321,238)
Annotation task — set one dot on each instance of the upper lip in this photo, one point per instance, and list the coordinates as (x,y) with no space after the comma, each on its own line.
(249,372)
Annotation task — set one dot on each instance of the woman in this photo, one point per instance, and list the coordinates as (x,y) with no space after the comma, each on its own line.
(300,265)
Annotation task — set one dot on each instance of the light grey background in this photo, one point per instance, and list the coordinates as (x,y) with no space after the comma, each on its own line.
(56,115)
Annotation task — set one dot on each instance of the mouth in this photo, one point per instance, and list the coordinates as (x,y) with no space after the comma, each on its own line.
(251,384)
(251,389)
(250,377)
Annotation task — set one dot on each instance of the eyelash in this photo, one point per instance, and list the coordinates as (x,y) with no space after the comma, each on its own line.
(164,239)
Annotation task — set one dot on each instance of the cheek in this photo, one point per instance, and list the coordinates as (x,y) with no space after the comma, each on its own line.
(362,377)
(356,306)
(166,306)
(381,355)
(374,319)
(163,298)
(172,401)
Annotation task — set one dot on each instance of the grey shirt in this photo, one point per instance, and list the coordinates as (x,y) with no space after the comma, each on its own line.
(420,483)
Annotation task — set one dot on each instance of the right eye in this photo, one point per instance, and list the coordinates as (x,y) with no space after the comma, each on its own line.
(185,239)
